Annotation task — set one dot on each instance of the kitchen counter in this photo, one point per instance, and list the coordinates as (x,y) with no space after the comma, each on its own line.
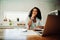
(11,27)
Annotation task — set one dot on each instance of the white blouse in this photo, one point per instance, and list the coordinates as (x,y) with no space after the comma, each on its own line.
(33,24)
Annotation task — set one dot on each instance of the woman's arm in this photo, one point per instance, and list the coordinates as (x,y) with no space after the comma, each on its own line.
(30,21)
(29,24)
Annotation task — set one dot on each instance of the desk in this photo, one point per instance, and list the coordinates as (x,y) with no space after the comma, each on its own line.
(11,33)
(16,34)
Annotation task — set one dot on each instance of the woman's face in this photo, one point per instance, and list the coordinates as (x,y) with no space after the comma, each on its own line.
(34,12)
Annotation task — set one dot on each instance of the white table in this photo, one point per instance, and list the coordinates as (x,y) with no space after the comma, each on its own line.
(16,34)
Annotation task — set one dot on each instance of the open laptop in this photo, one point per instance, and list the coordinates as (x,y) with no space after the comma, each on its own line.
(51,27)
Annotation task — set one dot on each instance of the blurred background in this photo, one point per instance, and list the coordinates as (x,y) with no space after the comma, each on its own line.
(13,9)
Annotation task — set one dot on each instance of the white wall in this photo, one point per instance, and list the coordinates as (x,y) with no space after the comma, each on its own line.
(26,5)
(1,11)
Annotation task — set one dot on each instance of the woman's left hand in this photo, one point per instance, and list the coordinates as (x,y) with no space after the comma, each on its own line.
(36,28)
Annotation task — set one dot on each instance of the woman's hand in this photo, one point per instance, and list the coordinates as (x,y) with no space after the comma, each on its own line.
(33,15)
(36,28)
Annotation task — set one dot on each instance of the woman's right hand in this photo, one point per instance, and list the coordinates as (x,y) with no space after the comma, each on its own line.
(33,15)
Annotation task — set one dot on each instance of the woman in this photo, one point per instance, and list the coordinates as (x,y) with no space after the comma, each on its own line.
(34,18)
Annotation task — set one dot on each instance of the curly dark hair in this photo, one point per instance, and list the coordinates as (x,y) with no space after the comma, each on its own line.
(38,13)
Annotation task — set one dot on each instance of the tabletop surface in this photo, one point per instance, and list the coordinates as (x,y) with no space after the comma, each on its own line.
(16,33)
